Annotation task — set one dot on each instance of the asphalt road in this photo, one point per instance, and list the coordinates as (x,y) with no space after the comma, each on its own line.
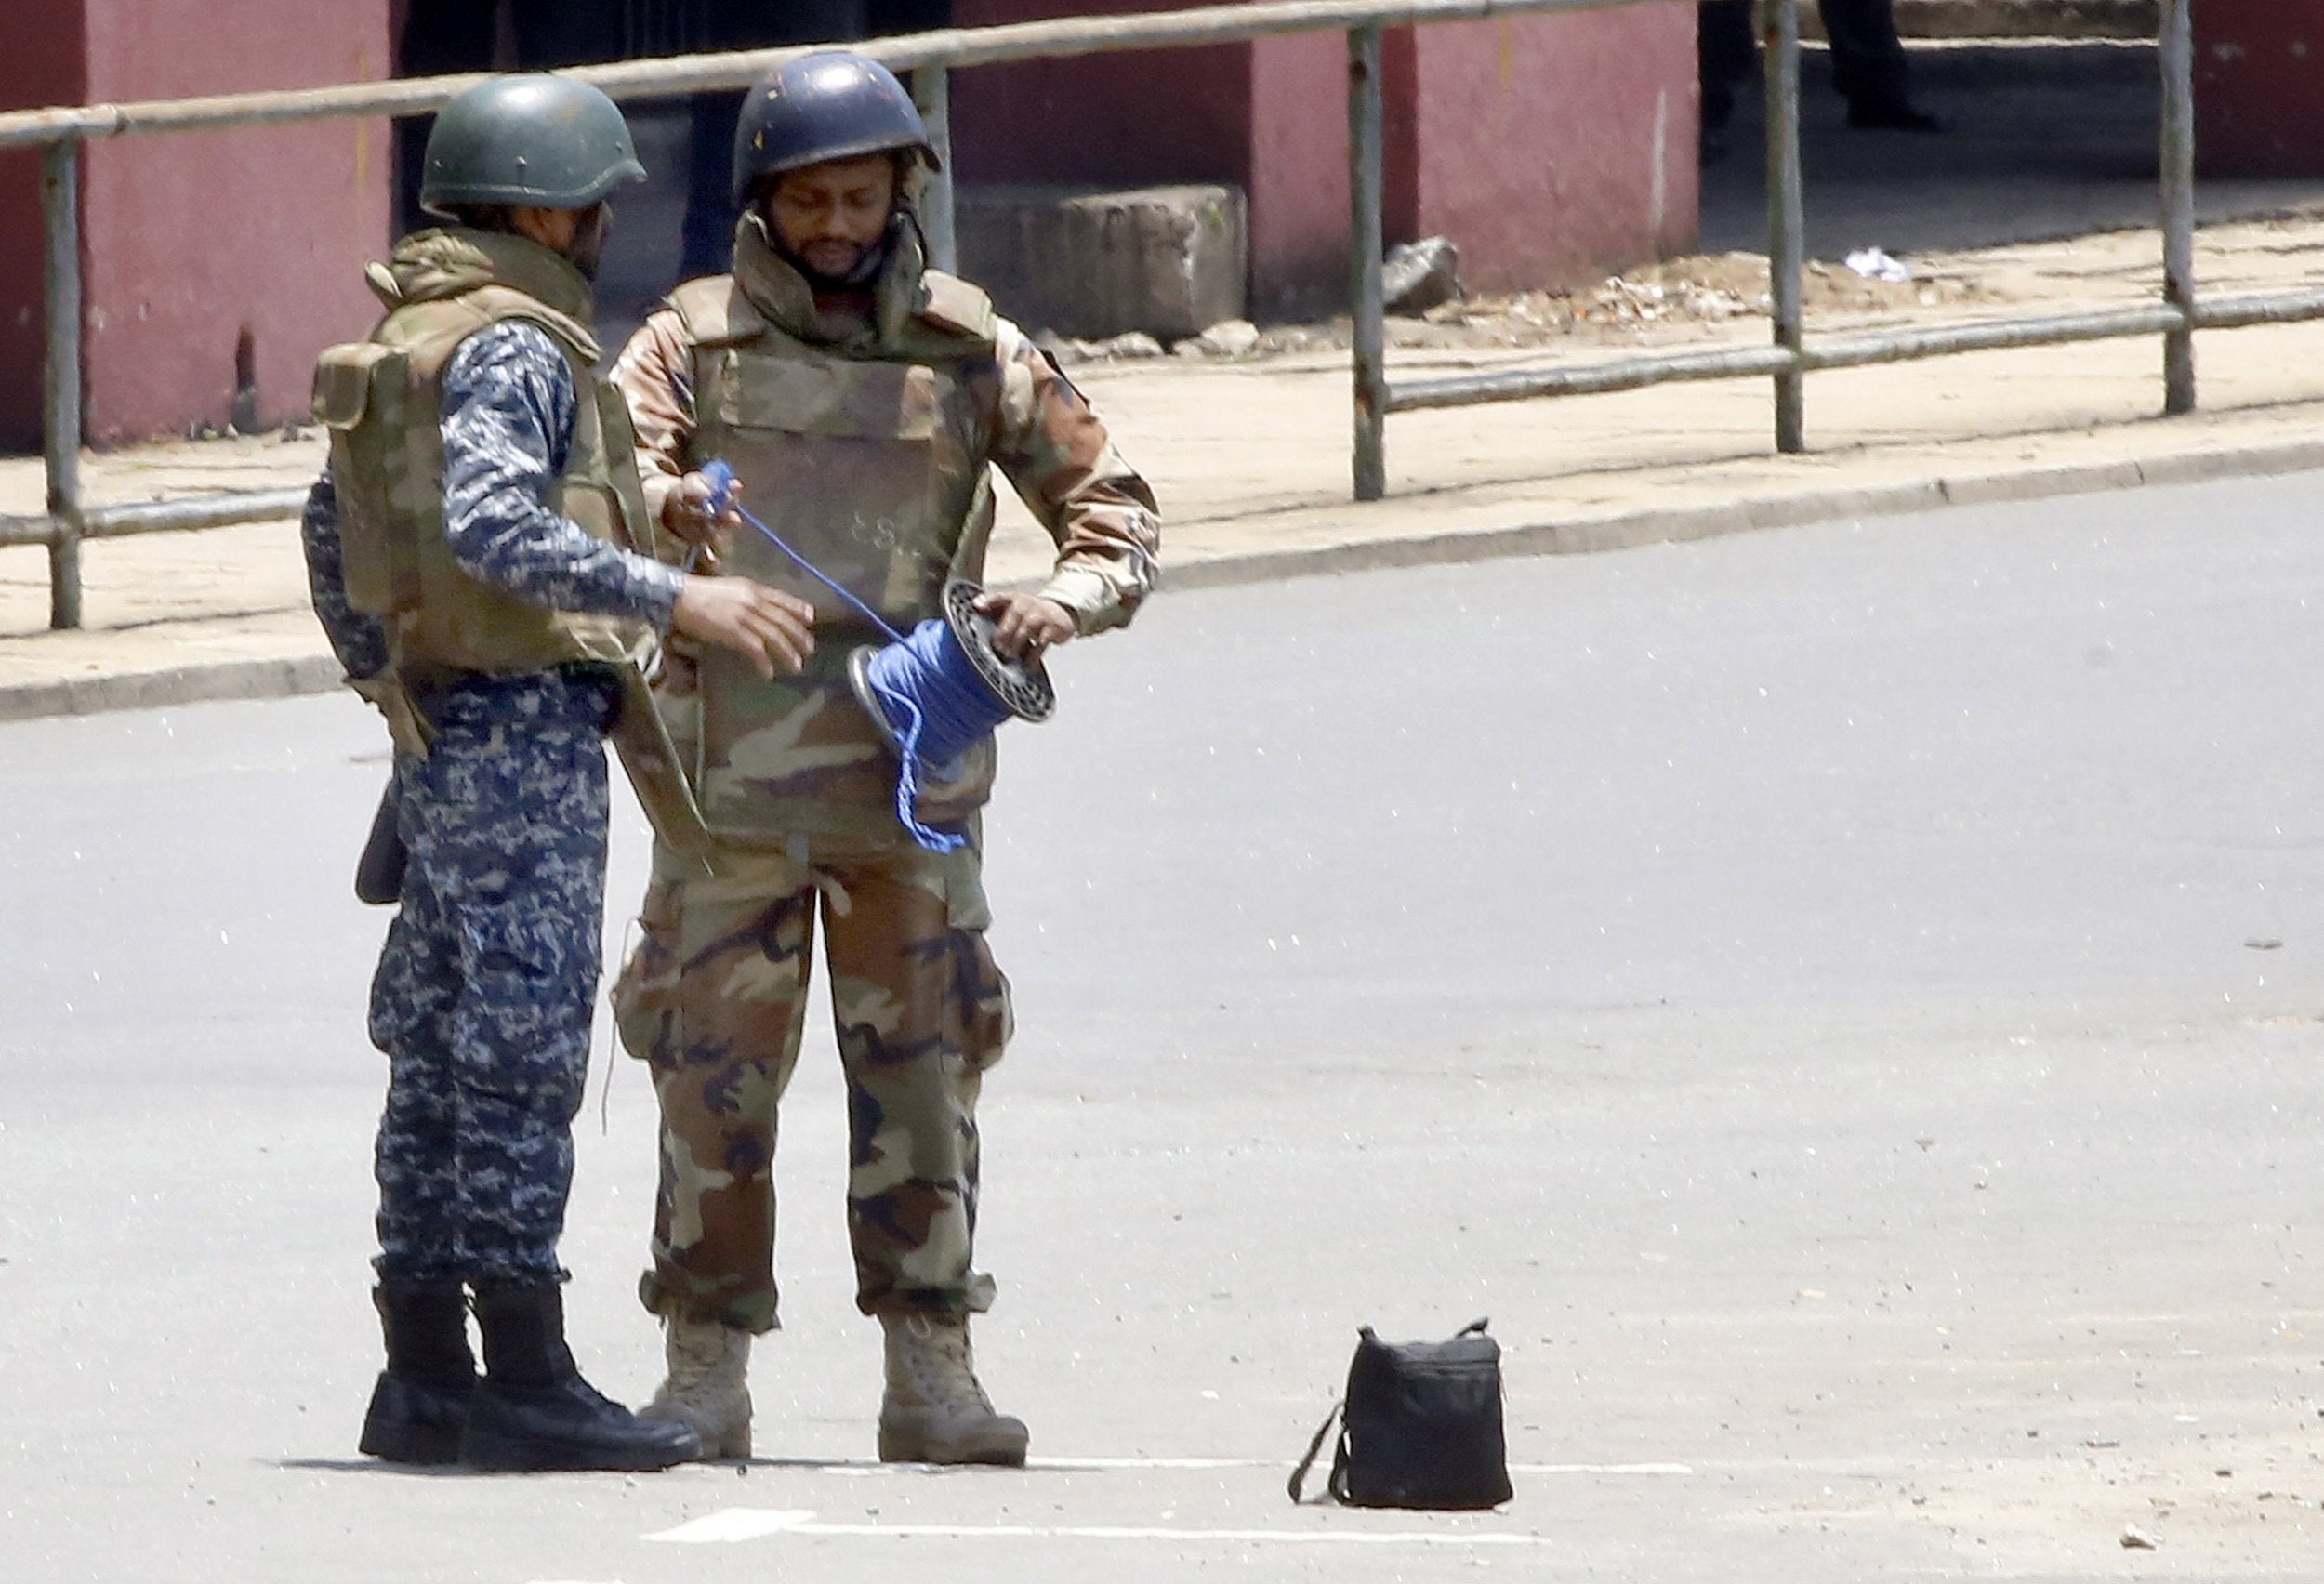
(1844,1001)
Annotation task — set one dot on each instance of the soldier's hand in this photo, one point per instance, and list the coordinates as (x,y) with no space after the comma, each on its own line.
(1024,625)
(769,628)
(686,513)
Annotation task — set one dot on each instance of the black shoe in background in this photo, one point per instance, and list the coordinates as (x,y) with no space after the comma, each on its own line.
(1886,115)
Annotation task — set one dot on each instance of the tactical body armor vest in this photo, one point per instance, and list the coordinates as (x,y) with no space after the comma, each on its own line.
(872,466)
(382,400)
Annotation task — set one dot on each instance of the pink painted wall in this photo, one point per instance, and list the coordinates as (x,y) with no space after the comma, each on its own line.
(1297,175)
(1553,148)
(196,242)
(1550,150)
(41,64)
(2259,87)
(192,243)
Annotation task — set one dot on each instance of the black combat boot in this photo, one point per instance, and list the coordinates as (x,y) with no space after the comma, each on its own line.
(533,1410)
(420,1404)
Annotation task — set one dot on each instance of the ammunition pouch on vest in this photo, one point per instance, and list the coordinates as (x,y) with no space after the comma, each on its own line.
(381,400)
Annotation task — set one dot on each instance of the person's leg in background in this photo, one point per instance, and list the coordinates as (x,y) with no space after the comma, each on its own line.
(551,34)
(1868,66)
(1725,51)
(439,36)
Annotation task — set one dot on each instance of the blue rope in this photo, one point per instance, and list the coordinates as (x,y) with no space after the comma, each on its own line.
(925,678)
(721,481)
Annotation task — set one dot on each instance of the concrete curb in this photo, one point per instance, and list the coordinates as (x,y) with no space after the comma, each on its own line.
(200,683)
(299,675)
(1632,530)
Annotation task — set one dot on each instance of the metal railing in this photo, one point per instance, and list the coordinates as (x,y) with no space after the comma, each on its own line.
(2175,317)
(931,57)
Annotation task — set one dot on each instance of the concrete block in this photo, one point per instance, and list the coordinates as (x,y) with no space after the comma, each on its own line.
(1169,261)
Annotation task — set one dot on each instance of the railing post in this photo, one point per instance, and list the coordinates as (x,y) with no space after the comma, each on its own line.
(60,381)
(931,90)
(1365,247)
(1786,222)
(2178,202)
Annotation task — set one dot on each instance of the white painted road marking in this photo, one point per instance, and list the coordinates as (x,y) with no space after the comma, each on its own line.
(734,1525)
(1071,1463)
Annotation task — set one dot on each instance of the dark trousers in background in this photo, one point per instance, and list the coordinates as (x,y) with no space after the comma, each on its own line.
(1867,60)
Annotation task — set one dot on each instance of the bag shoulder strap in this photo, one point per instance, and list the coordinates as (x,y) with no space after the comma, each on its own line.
(1338,1484)
(1315,1449)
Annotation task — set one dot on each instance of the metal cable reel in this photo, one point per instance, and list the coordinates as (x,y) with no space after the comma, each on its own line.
(952,718)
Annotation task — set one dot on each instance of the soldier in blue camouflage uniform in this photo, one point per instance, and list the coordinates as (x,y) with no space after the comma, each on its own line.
(474,555)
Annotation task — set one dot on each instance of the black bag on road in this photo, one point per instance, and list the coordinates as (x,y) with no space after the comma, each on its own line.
(1420,1426)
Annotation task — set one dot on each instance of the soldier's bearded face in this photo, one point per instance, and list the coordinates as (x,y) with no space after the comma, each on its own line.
(829,216)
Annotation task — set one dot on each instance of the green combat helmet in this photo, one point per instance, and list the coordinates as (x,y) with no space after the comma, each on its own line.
(531,138)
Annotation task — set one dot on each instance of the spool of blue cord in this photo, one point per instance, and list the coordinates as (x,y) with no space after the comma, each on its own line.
(934,692)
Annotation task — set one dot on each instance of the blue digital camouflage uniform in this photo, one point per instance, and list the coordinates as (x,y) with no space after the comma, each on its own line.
(485,989)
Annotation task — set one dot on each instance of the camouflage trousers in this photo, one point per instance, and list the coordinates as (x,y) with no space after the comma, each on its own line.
(485,990)
(715,999)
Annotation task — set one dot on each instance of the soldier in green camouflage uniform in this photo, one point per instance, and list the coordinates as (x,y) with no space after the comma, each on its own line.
(863,400)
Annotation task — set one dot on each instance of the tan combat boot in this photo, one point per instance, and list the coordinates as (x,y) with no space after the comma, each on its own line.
(705,1389)
(934,1411)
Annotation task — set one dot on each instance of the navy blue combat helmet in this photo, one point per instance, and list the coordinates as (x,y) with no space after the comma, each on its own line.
(834,104)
